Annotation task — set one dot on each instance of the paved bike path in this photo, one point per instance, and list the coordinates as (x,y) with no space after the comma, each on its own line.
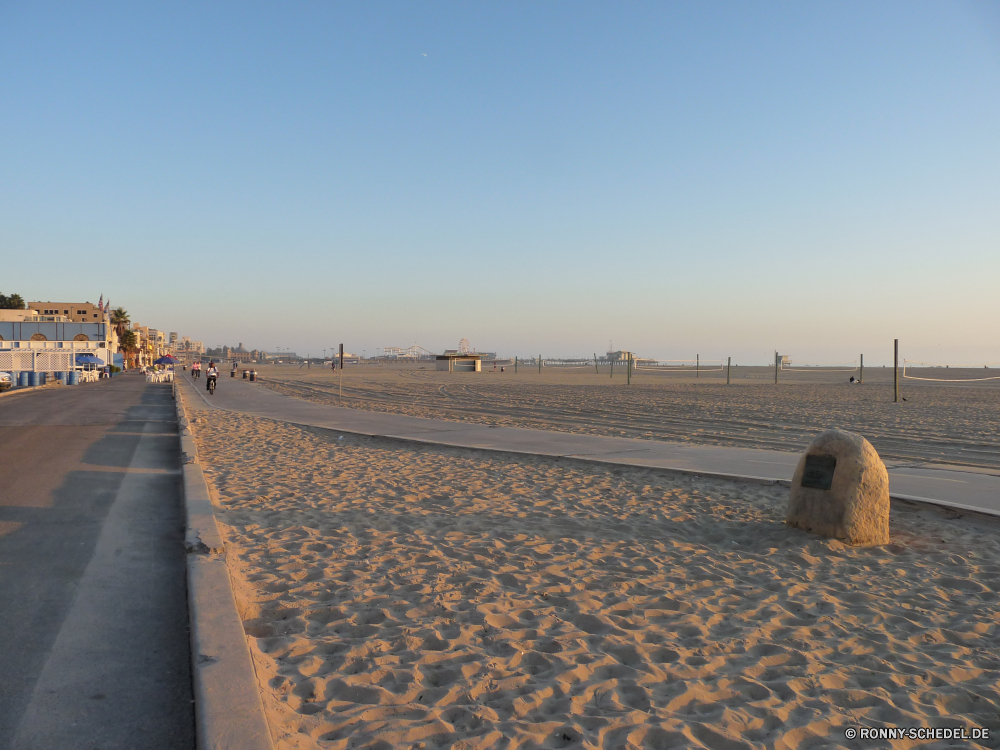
(970,488)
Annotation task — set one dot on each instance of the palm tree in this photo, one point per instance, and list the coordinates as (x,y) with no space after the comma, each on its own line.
(127,343)
(11,302)
(120,320)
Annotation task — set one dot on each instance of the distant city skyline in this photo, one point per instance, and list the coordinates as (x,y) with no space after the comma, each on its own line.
(719,179)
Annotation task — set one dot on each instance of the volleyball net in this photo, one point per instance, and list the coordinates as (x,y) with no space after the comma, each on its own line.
(562,364)
(680,365)
(938,372)
(829,367)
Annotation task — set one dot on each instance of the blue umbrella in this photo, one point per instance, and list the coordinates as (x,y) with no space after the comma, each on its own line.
(165,360)
(88,359)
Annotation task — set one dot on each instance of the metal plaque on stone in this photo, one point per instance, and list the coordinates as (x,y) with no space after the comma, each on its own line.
(818,472)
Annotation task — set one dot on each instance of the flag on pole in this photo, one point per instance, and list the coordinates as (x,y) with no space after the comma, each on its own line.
(100,302)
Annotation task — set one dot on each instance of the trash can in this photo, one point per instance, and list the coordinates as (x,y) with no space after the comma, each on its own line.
(245,374)
(74,378)
(253,376)
(34,379)
(22,378)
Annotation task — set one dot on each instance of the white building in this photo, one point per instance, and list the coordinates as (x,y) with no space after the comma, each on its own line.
(50,343)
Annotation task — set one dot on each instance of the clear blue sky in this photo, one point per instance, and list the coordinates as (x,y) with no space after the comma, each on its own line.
(680,178)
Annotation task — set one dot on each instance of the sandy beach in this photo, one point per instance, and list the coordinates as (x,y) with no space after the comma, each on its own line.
(397,595)
(941,423)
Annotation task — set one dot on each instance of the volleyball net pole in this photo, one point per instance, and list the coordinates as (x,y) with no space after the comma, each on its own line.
(861,378)
(895,371)
(729,366)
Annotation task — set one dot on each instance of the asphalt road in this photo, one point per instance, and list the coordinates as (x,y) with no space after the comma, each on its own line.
(94,647)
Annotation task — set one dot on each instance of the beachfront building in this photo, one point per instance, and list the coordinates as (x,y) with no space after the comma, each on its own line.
(452,361)
(75,312)
(239,354)
(151,344)
(17,316)
(143,350)
(620,356)
(33,342)
(185,350)
(187,345)
(349,358)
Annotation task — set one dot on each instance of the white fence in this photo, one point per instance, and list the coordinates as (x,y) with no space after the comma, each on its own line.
(37,360)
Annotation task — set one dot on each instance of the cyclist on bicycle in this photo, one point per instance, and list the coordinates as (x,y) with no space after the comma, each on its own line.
(196,368)
(212,377)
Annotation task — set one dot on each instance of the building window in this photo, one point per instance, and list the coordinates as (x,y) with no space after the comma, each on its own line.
(65,312)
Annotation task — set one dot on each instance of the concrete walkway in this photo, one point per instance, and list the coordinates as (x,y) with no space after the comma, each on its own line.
(970,489)
(94,626)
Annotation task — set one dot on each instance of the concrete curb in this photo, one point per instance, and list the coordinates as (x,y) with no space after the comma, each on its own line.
(229,711)
(24,389)
(968,509)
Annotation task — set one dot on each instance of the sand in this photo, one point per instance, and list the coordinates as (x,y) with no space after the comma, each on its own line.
(939,423)
(405,596)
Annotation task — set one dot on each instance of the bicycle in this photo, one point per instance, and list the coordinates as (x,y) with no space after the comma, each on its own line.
(211,386)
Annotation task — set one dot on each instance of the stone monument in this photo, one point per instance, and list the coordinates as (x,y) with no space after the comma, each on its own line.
(841,490)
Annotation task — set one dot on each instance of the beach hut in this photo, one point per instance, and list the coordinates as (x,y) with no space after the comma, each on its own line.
(454,362)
